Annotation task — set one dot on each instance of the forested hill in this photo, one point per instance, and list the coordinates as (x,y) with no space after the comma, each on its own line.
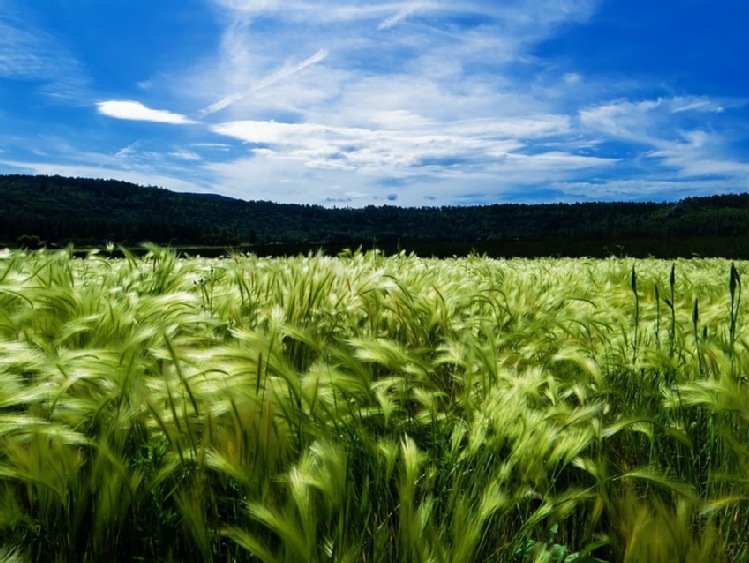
(82,211)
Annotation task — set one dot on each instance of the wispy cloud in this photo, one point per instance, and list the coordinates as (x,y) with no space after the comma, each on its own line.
(642,120)
(425,159)
(185,155)
(640,189)
(135,111)
(22,54)
(404,12)
(145,176)
(357,102)
(457,100)
(173,165)
(678,145)
(248,5)
(378,149)
(695,104)
(661,123)
(264,83)
(29,53)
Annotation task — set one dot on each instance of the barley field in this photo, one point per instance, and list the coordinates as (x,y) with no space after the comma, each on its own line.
(372,408)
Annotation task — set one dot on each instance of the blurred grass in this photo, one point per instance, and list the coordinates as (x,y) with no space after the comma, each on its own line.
(372,408)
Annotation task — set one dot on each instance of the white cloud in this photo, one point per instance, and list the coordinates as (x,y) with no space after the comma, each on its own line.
(288,180)
(28,52)
(553,160)
(404,12)
(269,81)
(249,5)
(572,78)
(535,14)
(354,101)
(426,159)
(144,176)
(139,152)
(680,105)
(680,146)
(426,67)
(135,111)
(382,151)
(654,189)
(699,155)
(185,155)
(646,120)
(19,54)
(127,151)
(621,119)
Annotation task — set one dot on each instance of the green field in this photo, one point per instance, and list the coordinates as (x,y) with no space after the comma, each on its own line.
(371,408)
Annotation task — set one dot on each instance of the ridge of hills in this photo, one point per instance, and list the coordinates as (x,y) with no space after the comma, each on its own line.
(82,211)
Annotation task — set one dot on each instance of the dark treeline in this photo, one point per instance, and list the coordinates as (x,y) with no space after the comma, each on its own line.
(58,211)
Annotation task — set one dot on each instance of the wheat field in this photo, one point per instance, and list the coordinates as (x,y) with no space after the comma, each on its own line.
(372,408)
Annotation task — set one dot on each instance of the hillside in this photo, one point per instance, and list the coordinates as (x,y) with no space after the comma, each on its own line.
(83,211)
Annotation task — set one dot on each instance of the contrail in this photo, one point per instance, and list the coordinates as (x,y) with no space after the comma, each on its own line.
(272,79)
(399,17)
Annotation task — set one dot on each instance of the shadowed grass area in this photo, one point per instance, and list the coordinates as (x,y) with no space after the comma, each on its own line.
(365,408)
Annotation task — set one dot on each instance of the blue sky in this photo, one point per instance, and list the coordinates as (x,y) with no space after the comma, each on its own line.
(353,102)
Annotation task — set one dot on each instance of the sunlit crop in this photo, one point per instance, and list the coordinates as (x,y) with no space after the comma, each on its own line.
(371,408)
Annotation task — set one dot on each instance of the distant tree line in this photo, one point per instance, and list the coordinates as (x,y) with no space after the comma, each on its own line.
(83,211)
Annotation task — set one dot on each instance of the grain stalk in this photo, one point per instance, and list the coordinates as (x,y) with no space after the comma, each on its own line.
(635,339)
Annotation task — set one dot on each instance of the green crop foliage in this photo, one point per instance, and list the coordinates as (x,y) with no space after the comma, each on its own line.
(371,408)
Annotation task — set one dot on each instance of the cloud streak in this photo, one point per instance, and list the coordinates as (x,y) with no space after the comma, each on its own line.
(135,111)
(392,21)
(381,150)
(282,74)
(357,102)
(29,53)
